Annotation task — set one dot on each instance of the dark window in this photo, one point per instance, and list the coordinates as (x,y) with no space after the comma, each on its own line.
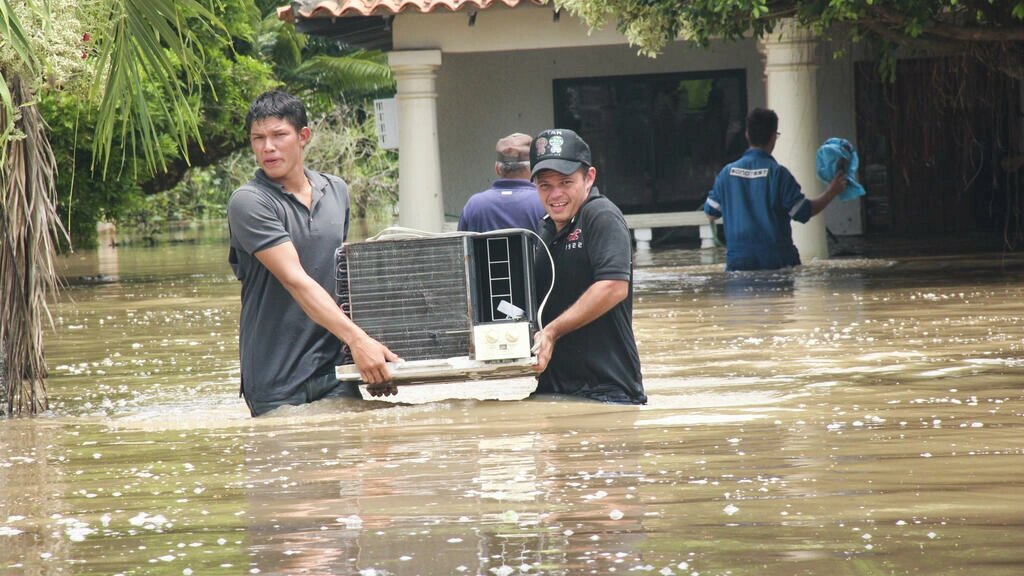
(658,141)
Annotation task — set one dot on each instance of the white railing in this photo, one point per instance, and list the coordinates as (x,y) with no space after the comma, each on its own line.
(642,224)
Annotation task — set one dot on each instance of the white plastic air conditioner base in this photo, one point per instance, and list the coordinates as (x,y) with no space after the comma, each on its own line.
(448,370)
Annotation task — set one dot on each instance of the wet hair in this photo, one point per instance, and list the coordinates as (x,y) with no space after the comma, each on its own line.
(277,104)
(762,124)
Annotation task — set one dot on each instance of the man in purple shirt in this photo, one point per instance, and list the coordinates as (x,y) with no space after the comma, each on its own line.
(511,201)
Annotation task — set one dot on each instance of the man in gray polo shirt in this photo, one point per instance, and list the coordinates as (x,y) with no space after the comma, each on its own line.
(285,225)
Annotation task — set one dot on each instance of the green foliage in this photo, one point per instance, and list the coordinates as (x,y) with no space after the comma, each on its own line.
(344,143)
(22,52)
(320,72)
(153,61)
(37,50)
(990,30)
(651,24)
(201,196)
(88,195)
(336,84)
(247,51)
(83,198)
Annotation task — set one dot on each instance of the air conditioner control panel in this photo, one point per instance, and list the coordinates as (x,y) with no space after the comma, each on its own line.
(501,341)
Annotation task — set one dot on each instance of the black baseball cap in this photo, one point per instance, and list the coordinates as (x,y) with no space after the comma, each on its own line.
(558,149)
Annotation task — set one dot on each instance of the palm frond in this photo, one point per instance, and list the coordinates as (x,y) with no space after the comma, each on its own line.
(361,72)
(30,229)
(149,39)
(279,43)
(145,42)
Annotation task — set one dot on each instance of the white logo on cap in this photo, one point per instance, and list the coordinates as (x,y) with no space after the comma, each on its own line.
(556,144)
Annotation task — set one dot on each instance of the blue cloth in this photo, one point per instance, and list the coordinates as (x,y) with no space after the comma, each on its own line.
(508,203)
(756,197)
(825,161)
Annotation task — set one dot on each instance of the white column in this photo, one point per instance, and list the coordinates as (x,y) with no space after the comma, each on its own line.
(420,204)
(790,83)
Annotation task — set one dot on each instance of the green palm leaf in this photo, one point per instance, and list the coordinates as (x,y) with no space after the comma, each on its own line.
(360,72)
(149,39)
(355,73)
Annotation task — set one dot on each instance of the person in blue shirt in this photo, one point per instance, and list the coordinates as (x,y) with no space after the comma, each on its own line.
(756,197)
(511,201)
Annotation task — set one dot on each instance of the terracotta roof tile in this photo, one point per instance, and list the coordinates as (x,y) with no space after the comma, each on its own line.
(343,8)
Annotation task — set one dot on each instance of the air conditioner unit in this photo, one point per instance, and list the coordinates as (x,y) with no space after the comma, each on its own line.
(451,306)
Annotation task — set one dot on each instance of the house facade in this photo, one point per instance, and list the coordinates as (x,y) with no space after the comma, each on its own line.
(469,72)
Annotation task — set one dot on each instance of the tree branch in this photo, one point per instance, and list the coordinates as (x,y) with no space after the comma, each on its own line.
(900,38)
(953,31)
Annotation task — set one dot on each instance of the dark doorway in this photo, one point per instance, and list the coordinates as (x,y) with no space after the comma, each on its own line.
(657,140)
(936,147)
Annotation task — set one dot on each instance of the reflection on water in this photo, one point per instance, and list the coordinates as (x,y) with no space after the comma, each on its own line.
(857,416)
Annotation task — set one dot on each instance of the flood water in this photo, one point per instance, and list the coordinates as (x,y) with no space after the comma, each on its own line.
(862,416)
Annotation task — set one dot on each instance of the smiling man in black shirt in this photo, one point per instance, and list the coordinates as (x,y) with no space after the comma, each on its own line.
(586,347)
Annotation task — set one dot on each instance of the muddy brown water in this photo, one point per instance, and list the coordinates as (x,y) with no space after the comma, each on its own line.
(857,416)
